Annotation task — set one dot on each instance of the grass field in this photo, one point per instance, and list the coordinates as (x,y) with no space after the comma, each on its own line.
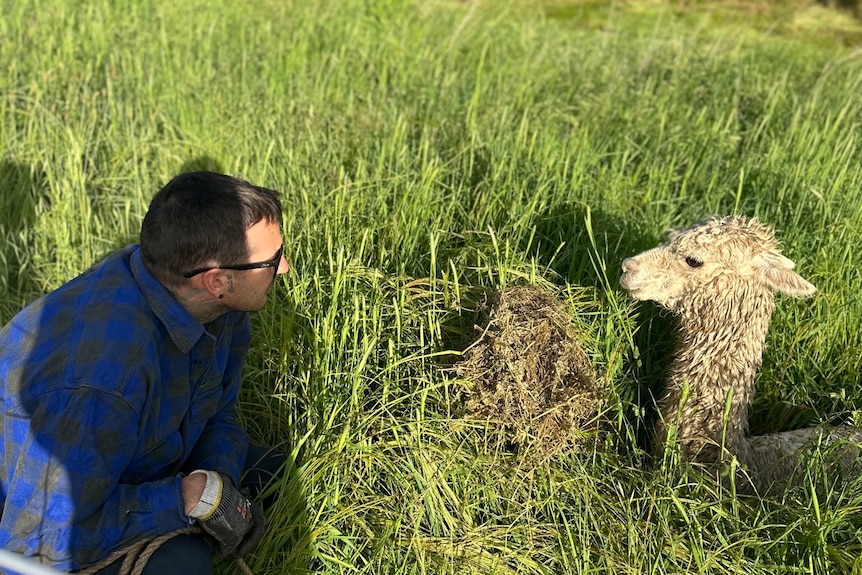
(428,152)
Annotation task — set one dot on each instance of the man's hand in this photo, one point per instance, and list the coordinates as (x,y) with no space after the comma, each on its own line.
(228,515)
(193,487)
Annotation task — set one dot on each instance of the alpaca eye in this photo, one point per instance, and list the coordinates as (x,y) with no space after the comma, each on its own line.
(693,262)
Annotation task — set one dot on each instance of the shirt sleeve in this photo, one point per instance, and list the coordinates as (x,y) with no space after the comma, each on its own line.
(223,444)
(66,505)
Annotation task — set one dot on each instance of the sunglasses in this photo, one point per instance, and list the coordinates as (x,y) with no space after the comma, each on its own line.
(273,263)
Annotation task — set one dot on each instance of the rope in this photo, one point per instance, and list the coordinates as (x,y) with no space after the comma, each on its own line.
(136,555)
(243,566)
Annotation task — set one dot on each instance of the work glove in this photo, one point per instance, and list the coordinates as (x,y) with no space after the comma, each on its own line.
(229,516)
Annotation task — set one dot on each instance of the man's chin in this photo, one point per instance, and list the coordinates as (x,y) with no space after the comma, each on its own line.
(262,303)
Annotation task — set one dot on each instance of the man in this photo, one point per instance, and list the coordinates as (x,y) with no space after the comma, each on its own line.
(119,389)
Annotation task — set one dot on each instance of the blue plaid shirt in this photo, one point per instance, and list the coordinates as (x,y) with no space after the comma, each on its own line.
(111,392)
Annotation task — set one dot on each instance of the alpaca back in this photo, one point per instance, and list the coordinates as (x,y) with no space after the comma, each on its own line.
(774,459)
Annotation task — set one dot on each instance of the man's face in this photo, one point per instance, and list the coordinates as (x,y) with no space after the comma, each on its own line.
(247,289)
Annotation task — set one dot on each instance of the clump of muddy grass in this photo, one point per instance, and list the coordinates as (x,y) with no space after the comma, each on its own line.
(531,374)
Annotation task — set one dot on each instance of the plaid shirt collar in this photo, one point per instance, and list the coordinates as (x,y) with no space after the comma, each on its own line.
(183,328)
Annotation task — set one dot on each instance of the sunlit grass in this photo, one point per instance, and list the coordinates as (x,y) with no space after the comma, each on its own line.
(428,152)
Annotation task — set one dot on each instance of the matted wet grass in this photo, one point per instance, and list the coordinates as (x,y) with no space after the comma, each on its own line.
(531,373)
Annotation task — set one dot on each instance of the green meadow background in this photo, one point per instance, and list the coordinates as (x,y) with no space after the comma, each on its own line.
(428,152)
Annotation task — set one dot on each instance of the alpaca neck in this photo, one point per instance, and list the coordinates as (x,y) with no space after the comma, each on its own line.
(718,356)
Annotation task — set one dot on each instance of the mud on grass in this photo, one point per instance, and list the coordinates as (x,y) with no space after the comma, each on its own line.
(531,373)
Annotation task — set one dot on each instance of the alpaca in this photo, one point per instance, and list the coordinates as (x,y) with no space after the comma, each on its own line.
(718,278)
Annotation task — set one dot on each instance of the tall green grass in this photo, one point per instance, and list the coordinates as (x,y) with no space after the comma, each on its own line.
(427,152)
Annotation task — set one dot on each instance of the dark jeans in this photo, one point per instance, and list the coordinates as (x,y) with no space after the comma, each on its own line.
(191,554)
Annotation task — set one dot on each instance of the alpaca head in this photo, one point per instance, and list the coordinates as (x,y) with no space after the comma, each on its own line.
(710,262)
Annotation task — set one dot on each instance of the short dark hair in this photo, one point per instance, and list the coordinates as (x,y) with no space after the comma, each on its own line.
(202,217)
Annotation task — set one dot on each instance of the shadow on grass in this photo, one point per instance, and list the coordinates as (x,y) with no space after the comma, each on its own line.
(200,163)
(288,543)
(594,244)
(277,410)
(21,189)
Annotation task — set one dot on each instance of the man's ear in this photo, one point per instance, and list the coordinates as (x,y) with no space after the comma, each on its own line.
(214,282)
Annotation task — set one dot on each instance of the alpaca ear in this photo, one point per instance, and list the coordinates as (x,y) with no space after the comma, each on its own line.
(671,233)
(779,276)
